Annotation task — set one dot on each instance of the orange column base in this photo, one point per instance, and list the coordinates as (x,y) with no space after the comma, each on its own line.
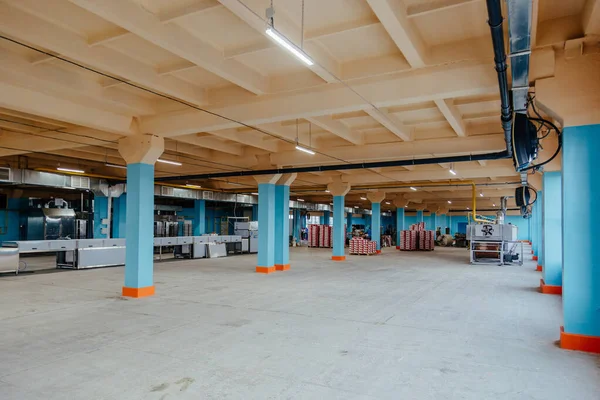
(572,341)
(534,258)
(538,268)
(138,292)
(282,267)
(338,258)
(265,270)
(550,289)
(378,251)
(397,247)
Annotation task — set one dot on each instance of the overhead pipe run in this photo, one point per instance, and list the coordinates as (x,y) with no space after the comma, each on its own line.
(495,22)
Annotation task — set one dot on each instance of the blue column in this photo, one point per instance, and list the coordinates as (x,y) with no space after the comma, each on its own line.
(100,213)
(297,224)
(580,221)
(254,212)
(338,229)
(119,219)
(326,217)
(540,229)
(199,221)
(139,263)
(443,223)
(434,221)
(534,237)
(266,228)
(349,222)
(552,235)
(399,224)
(419,216)
(376,224)
(321,220)
(368,220)
(282,227)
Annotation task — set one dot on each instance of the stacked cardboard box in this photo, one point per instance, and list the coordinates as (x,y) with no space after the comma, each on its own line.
(313,235)
(362,246)
(426,240)
(409,240)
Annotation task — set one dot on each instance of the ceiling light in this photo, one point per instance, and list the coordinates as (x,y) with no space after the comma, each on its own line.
(305,150)
(160,160)
(283,42)
(481,194)
(468,208)
(363,198)
(330,204)
(405,206)
(193,186)
(453,172)
(75,171)
(493,205)
(300,199)
(387,202)
(115,166)
(413,188)
(326,190)
(256,194)
(449,202)
(355,206)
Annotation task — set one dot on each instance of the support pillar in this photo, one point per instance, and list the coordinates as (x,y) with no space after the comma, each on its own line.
(254,212)
(266,223)
(376,198)
(101,213)
(199,222)
(419,216)
(434,221)
(535,211)
(552,234)
(349,222)
(297,224)
(338,190)
(400,202)
(282,222)
(580,205)
(140,152)
(326,217)
(119,220)
(540,230)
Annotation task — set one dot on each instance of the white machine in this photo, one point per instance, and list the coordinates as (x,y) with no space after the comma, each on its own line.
(494,244)
(249,233)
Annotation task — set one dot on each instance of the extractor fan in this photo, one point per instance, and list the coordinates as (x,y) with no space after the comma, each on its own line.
(524,141)
(523,200)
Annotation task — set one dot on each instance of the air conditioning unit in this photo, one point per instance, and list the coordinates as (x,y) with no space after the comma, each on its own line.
(80,182)
(5,174)
(166,191)
(206,195)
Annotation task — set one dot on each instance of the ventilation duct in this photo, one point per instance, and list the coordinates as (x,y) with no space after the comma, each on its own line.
(519,29)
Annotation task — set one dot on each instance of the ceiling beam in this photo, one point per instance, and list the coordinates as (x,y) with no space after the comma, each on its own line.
(338,128)
(250,138)
(535,12)
(591,17)
(38,32)
(452,115)
(422,8)
(392,123)
(212,142)
(176,40)
(33,102)
(393,16)
(454,80)
(325,65)
(195,8)
(63,82)
(107,37)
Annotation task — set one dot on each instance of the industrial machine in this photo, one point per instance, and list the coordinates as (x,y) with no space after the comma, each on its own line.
(248,230)
(51,224)
(494,244)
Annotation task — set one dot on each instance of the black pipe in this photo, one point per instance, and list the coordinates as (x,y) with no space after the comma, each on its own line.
(495,22)
(336,167)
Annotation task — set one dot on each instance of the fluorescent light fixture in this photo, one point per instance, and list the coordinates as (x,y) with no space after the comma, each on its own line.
(481,194)
(326,191)
(413,188)
(168,162)
(363,198)
(405,206)
(193,186)
(283,42)
(256,194)
(301,200)
(75,171)
(468,208)
(305,150)
(453,172)
(387,202)
(115,166)
(330,204)
(449,202)
(355,206)
(493,205)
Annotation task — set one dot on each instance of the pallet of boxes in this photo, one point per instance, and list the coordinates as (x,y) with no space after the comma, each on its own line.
(360,246)
(320,236)
(417,238)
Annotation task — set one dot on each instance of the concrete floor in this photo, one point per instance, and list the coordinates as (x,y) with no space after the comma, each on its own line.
(395,326)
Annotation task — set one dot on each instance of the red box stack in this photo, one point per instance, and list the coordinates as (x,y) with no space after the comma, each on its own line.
(326,229)
(426,240)
(313,235)
(362,246)
(408,240)
(418,227)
